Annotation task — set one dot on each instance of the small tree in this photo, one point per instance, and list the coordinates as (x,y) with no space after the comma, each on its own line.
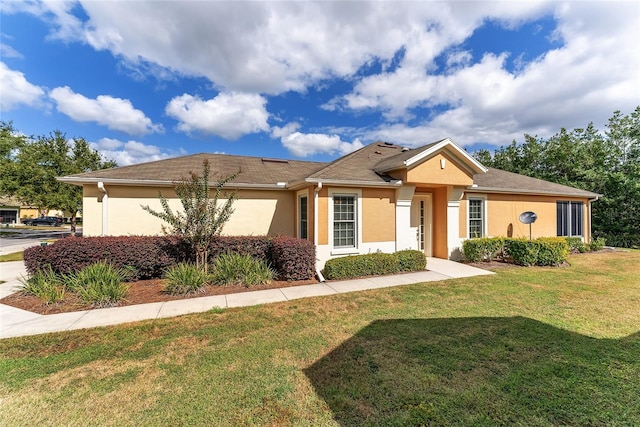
(204,215)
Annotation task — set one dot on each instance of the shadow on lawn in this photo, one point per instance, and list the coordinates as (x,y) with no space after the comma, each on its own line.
(479,371)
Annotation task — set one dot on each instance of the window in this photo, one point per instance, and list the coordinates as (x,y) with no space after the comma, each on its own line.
(476,218)
(569,218)
(344,221)
(303,230)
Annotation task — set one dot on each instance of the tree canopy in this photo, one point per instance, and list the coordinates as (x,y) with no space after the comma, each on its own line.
(29,167)
(605,163)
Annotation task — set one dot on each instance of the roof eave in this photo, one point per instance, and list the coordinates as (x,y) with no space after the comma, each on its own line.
(164,183)
(349,183)
(479,189)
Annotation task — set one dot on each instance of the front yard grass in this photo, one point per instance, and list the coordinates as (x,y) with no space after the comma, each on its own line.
(527,346)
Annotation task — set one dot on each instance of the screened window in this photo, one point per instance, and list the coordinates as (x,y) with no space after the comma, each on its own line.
(344,221)
(303,226)
(569,218)
(476,218)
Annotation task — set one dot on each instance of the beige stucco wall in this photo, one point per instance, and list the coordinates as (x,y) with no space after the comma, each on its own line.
(504,210)
(256,212)
(431,172)
(378,215)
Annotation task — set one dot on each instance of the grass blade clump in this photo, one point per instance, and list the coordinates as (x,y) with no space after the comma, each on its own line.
(237,269)
(100,284)
(46,285)
(185,278)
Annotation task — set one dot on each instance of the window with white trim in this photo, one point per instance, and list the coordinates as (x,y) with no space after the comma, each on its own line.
(344,221)
(476,218)
(303,215)
(569,218)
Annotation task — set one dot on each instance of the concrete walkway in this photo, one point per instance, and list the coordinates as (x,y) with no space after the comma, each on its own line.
(15,322)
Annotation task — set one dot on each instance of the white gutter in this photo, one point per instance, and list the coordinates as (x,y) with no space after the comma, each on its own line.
(164,183)
(346,183)
(105,208)
(475,189)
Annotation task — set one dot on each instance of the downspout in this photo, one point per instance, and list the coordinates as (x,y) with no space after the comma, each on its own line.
(315,225)
(591,218)
(105,208)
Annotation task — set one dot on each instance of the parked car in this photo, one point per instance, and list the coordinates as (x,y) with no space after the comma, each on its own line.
(51,221)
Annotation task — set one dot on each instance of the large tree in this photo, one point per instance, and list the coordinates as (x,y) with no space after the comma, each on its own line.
(605,163)
(30,166)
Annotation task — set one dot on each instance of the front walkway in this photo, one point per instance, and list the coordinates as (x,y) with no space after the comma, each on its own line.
(15,322)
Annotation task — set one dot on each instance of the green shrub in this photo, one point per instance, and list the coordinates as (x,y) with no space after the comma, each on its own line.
(411,260)
(483,248)
(551,250)
(100,284)
(597,244)
(185,278)
(542,251)
(239,269)
(375,264)
(45,285)
(576,245)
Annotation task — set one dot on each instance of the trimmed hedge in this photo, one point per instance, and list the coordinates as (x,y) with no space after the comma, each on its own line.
(375,264)
(293,259)
(541,251)
(483,249)
(149,257)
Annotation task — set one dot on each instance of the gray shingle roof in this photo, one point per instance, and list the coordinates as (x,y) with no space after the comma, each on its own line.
(254,170)
(499,180)
(358,167)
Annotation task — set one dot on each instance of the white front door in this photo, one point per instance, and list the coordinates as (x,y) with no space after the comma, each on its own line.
(421,222)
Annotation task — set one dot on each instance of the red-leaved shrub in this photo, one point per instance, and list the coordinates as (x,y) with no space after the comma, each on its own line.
(294,259)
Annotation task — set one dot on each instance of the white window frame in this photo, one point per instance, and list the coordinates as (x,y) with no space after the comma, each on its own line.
(483,199)
(300,195)
(357,195)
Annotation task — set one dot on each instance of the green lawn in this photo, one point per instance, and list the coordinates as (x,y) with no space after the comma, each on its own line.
(528,347)
(15,256)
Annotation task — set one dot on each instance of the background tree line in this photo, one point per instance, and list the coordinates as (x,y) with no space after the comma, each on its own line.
(607,163)
(29,167)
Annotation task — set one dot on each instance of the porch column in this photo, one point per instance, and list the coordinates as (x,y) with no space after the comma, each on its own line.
(405,238)
(454,243)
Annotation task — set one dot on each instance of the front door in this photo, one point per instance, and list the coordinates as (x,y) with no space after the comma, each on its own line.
(421,222)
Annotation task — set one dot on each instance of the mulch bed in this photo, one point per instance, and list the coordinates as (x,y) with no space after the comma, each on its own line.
(141,292)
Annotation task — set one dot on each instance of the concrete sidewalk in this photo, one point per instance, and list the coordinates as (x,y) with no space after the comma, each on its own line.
(15,322)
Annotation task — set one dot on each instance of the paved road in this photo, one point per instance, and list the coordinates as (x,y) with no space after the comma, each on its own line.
(20,239)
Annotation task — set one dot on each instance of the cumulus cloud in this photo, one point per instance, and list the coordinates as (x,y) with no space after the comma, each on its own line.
(17,90)
(131,152)
(114,113)
(386,52)
(307,144)
(229,115)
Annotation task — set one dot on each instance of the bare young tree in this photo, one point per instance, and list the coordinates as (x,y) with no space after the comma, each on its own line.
(205,210)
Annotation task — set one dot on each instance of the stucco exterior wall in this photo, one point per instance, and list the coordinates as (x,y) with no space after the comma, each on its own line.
(432,172)
(256,212)
(378,215)
(503,211)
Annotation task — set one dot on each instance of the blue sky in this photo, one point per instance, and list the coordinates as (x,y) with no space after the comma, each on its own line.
(144,80)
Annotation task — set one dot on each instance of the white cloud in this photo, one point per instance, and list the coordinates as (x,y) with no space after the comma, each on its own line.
(7,51)
(268,48)
(115,113)
(16,90)
(307,144)
(130,152)
(229,115)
